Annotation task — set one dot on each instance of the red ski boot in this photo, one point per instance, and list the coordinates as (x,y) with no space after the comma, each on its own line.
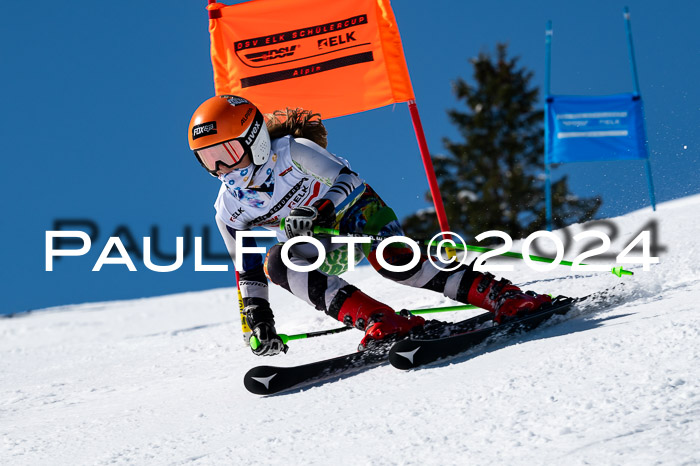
(504,299)
(377,319)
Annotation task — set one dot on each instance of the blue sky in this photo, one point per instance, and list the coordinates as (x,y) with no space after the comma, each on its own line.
(97,98)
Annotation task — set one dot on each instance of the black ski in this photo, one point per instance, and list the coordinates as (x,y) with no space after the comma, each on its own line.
(266,380)
(418,350)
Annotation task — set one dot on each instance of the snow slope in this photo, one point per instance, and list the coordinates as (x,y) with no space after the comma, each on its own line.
(159,380)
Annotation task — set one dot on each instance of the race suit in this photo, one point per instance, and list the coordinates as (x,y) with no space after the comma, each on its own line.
(297,173)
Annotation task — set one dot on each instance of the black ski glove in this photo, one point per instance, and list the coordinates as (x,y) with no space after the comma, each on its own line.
(264,341)
(301,220)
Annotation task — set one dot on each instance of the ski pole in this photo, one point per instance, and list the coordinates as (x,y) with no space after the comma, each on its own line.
(619,271)
(303,336)
(434,310)
(254,342)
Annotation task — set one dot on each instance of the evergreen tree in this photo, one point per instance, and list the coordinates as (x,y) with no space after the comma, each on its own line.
(494,180)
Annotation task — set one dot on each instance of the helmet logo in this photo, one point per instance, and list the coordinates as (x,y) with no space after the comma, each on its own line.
(245,117)
(204,129)
(253,133)
(235,100)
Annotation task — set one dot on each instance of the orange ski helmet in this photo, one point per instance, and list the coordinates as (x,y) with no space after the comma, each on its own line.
(224,129)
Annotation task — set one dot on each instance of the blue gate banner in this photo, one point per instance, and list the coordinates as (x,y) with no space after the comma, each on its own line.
(587,129)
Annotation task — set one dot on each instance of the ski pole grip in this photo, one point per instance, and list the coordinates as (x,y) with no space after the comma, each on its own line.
(255,342)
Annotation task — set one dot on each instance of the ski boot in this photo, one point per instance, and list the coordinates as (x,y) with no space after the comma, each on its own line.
(376,319)
(504,299)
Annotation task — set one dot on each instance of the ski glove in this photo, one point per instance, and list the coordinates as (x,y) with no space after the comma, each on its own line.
(264,341)
(301,220)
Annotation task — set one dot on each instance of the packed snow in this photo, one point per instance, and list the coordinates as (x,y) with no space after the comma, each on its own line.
(159,380)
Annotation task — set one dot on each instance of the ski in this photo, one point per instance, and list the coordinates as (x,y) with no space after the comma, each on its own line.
(267,380)
(417,351)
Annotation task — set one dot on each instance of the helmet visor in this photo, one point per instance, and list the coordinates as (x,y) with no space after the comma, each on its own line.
(227,153)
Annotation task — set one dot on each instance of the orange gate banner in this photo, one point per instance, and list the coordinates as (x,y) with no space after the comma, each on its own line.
(333,57)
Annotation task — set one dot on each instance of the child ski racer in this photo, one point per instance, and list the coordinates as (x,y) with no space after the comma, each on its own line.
(280,169)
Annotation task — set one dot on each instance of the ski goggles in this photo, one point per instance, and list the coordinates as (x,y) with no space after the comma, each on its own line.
(228,154)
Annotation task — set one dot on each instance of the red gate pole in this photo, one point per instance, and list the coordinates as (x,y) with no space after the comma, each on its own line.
(428,165)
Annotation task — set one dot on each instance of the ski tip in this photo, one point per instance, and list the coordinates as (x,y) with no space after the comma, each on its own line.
(261,380)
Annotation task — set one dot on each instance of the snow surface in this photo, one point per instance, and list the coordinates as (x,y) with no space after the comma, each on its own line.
(159,380)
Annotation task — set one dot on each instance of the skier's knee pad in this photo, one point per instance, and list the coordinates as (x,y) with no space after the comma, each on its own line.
(275,269)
